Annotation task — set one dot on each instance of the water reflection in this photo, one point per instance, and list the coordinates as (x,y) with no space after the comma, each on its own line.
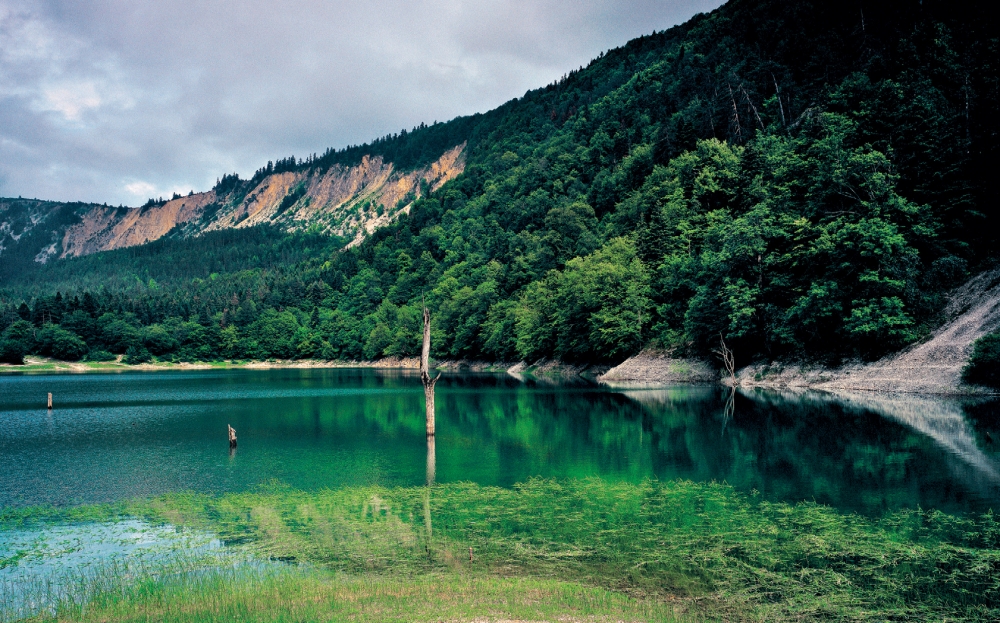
(327,428)
(431,473)
(857,451)
(431,460)
(943,421)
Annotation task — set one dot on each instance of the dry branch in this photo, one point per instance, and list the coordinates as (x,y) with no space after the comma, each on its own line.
(728,360)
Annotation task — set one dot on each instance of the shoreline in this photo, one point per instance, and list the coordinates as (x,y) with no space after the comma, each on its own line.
(46,364)
(649,369)
(35,364)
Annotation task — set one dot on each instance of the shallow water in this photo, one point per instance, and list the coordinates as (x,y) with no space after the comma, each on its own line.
(45,564)
(118,436)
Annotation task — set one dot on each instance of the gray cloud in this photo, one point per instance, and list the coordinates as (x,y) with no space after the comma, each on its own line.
(116,100)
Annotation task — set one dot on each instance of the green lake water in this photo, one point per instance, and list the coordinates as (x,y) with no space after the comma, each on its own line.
(126,435)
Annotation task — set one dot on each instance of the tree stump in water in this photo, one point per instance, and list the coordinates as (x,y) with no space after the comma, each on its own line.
(50,401)
(232,436)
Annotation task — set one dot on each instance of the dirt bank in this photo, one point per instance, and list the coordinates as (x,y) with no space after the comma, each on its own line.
(652,368)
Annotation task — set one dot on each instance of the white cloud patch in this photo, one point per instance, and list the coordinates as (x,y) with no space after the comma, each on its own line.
(70,101)
(140,189)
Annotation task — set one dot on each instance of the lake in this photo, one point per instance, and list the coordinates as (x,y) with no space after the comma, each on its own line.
(138,434)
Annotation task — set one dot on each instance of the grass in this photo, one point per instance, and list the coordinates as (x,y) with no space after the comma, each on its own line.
(317,595)
(576,548)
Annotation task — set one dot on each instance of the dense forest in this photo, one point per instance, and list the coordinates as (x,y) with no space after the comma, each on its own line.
(805,179)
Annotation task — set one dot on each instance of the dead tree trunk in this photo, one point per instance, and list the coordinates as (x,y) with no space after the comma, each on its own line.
(232,436)
(728,360)
(425,378)
(425,374)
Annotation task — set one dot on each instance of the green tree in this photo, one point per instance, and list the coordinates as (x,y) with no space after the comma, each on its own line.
(61,344)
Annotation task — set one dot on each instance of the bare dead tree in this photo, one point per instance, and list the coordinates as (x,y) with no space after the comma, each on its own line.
(425,375)
(968,130)
(752,107)
(425,378)
(781,107)
(728,360)
(736,114)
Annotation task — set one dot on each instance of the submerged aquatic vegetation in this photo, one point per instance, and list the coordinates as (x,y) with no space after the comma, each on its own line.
(45,566)
(721,552)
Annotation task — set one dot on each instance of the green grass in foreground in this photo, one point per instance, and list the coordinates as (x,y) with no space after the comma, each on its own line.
(314,595)
(721,553)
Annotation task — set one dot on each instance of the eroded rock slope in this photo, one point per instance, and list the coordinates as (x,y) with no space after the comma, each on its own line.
(349,201)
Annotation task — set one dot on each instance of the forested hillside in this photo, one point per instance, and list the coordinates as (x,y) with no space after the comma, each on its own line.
(805,179)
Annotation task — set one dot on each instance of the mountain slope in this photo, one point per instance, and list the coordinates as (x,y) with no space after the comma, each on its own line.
(348,201)
(806,179)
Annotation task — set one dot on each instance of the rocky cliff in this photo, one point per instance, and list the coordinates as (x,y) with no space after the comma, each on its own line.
(349,201)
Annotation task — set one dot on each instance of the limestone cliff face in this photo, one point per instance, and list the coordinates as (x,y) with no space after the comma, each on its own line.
(347,201)
(350,201)
(103,228)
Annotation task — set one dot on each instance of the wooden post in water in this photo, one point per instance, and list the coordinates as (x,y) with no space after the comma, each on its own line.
(232,436)
(425,373)
(50,401)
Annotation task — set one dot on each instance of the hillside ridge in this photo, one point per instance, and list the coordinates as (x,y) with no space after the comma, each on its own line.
(350,201)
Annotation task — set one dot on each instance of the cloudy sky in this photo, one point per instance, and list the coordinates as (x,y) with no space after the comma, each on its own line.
(117,100)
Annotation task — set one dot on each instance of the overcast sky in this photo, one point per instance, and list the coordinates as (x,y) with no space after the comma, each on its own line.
(118,100)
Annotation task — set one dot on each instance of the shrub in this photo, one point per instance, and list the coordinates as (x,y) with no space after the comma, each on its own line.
(11,352)
(158,340)
(62,344)
(99,355)
(136,354)
(983,367)
(22,335)
(118,334)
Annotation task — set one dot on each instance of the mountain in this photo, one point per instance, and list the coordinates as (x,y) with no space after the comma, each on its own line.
(348,201)
(801,179)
